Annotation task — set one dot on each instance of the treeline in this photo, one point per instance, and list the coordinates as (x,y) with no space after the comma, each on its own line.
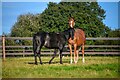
(88,16)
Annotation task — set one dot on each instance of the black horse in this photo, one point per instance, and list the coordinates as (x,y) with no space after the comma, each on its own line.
(51,40)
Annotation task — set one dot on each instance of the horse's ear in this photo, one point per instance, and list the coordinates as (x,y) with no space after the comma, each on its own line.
(69,19)
(73,19)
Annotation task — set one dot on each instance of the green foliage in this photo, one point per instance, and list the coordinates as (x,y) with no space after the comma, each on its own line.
(25,26)
(113,33)
(88,16)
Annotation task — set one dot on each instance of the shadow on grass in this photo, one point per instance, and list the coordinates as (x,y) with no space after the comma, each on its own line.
(47,62)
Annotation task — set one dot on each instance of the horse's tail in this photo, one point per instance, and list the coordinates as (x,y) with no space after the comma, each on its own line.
(34,43)
(35,48)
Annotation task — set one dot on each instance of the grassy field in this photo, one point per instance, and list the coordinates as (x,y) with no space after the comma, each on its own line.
(94,67)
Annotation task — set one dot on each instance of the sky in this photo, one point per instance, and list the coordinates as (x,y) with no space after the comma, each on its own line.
(111,9)
(11,11)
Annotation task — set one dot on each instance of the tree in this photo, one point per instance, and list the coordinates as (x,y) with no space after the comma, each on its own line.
(114,33)
(88,16)
(26,25)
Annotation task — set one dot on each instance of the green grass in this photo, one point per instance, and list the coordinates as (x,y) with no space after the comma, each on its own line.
(94,67)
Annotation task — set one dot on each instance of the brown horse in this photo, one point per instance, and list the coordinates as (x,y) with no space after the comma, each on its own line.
(79,40)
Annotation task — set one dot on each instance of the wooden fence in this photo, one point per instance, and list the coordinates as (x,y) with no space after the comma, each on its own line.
(23,50)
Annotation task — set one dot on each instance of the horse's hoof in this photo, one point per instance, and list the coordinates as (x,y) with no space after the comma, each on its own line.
(61,63)
(83,62)
(41,63)
(75,62)
(49,62)
(71,61)
(36,63)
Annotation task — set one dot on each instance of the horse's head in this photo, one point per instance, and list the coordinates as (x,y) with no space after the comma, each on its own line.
(71,22)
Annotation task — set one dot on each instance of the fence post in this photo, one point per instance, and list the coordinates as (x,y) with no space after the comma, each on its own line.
(3,47)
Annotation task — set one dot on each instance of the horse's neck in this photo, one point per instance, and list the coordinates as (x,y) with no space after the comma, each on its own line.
(66,34)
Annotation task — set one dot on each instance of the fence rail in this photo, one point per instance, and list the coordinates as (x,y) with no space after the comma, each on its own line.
(103,38)
(9,50)
(30,38)
(65,46)
(50,53)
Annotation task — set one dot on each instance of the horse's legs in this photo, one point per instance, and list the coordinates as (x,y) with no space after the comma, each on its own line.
(83,60)
(36,51)
(75,53)
(55,51)
(70,47)
(61,46)
(39,55)
(35,55)
(61,56)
